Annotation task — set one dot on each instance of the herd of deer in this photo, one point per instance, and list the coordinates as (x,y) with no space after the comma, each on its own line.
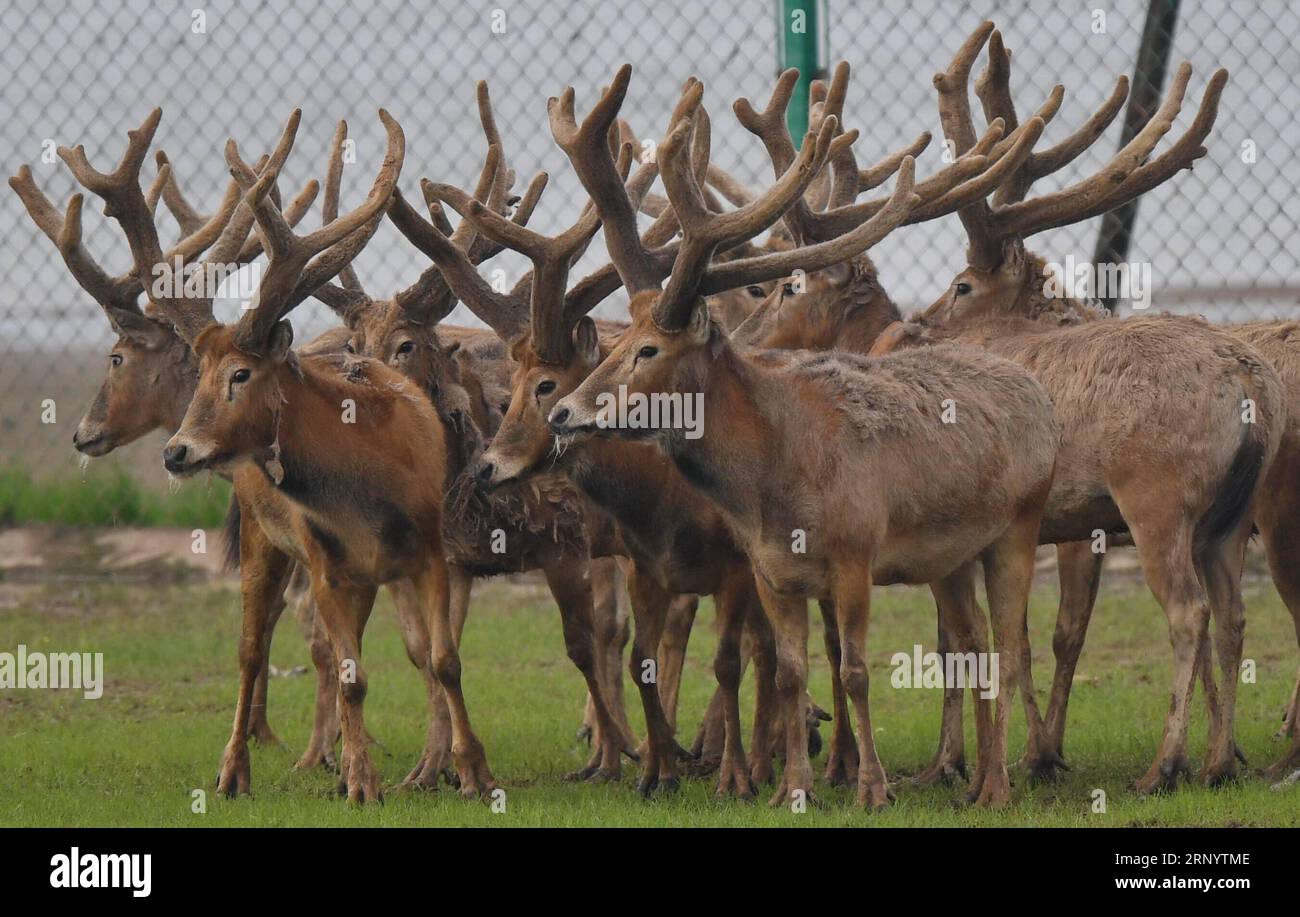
(824,416)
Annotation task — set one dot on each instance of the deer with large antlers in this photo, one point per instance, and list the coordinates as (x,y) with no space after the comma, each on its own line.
(1169,425)
(151,379)
(151,370)
(886,493)
(845,307)
(359,509)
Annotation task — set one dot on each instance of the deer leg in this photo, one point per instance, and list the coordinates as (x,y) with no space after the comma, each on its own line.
(1164,549)
(1079,573)
(650,609)
(853,611)
(263,570)
(432,582)
(344,606)
(842,759)
(672,652)
(1220,568)
(570,584)
(436,756)
(789,617)
(259,730)
(1008,576)
(762,647)
(1278,519)
(954,599)
(731,602)
(611,633)
(325,724)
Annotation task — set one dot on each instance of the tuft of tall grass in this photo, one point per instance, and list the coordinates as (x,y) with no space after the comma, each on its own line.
(112,497)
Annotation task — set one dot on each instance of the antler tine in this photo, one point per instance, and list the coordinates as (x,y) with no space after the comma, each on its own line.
(993,87)
(483,248)
(186,216)
(769,126)
(330,206)
(954,103)
(504,313)
(64,231)
(293,214)
(120,190)
(1186,150)
(493,165)
(728,275)
(586,148)
(878,173)
(288,275)
(959,131)
(986,178)
(1059,208)
(704,232)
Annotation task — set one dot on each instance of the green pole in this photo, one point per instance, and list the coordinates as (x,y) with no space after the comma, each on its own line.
(798,35)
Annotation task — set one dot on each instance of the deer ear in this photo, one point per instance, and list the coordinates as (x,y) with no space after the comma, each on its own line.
(281,339)
(586,340)
(139,328)
(698,326)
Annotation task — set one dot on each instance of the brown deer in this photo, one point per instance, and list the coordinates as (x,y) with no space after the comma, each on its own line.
(1124,391)
(151,371)
(851,453)
(1277,342)
(151,379)
(358,508)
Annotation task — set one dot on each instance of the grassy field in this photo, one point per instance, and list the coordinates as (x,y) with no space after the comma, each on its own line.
(134,756)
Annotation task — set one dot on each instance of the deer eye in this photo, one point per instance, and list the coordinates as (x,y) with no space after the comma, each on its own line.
(756,291)
(963,289)
(647,352)
(405,347)
(349,348)
(115,360)
(240,376)
(788,289)
(545,387)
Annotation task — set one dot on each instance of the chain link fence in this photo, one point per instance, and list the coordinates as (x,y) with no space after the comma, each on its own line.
(1221,240)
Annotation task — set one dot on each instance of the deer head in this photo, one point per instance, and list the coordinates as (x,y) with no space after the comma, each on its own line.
(1001,277)
(672,339)
(151,370)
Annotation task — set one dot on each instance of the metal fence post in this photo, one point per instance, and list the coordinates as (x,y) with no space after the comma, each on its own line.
(798,31)
(1114,237)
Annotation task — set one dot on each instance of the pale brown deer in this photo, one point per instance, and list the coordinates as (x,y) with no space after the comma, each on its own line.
(1277,342)
(151,379)
(1169,424)
(852,453)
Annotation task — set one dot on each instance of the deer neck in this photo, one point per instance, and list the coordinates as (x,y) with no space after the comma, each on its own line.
(735,430)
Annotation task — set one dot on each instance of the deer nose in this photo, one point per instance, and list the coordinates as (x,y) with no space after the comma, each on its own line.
(484,473)
(559,417)
(174,457)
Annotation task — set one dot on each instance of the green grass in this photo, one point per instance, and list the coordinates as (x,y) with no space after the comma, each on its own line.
(134,756)
(111,497)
